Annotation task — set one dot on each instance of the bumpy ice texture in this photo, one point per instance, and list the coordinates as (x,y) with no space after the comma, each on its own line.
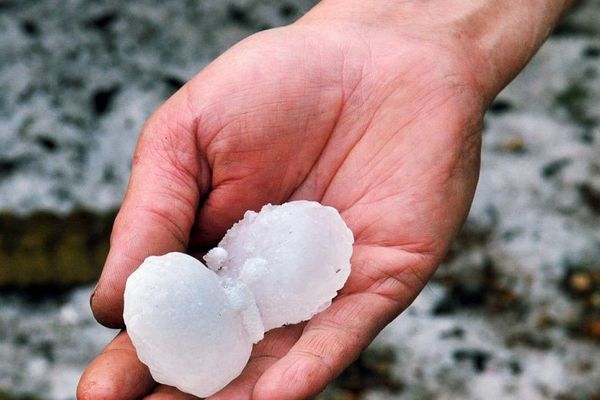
(183,325)
(194,326)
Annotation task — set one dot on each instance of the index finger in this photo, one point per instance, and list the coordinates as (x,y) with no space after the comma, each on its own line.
(160,205)
(115,374)
(334,338)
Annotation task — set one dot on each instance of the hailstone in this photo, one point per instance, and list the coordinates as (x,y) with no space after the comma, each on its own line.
(194,325)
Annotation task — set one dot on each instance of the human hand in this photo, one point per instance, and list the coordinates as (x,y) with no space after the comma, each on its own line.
(381,122)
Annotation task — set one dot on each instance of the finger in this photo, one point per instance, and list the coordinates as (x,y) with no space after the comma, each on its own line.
(164,392)
(160,205)
(116,374)
(264,354)
(326,347)
(334,338)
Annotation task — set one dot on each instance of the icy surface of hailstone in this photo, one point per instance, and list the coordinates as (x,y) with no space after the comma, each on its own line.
(194,326)
(294,258)
(179,317)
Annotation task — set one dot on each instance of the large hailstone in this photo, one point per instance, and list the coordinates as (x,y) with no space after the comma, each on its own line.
(194,326)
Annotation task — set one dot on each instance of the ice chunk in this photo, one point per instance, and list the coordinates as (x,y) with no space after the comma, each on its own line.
(242,300)
(183,326)
(306,248)
(215,258)
(194,326)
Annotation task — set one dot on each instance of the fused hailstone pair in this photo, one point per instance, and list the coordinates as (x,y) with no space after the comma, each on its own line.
(194,326)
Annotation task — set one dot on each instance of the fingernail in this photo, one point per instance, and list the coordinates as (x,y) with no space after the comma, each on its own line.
(93,294)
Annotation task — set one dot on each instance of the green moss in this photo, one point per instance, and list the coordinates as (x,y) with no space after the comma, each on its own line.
(5,395)
(45,249)
(574,98)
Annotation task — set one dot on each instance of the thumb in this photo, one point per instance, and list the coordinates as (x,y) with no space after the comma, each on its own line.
(160,204)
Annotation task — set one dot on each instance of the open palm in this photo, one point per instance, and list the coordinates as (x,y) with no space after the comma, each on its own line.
(388,135)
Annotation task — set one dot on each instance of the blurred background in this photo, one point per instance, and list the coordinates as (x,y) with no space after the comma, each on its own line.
(513,313)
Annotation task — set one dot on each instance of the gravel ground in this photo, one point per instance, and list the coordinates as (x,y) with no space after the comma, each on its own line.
(79,80)
(513,313)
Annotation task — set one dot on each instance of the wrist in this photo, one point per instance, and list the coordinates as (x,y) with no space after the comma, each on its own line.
(495,37)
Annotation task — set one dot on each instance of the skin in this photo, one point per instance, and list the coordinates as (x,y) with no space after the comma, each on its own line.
(376,111)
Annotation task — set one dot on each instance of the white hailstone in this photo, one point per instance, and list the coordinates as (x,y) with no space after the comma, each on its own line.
(194,326)
(294,257)
(215,258)
(183,325)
